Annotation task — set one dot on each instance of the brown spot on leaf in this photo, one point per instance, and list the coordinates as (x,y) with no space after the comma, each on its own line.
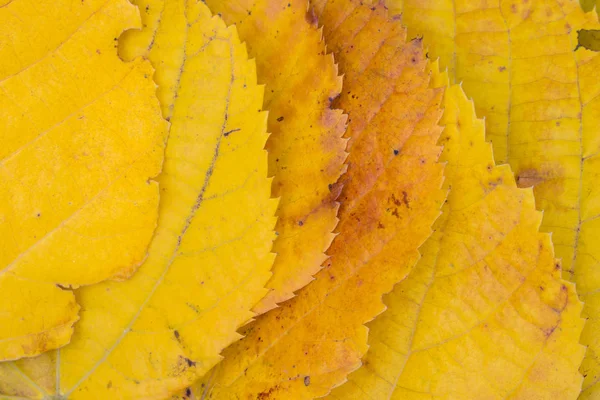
(405,199)
(267,394)
(529,177)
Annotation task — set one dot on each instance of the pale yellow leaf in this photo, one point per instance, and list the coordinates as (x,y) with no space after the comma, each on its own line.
(540,95)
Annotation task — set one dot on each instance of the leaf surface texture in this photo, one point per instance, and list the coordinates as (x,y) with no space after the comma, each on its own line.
(82,137)
(306,148)
(539,93)
(210,256)
(392,194)
(485,313)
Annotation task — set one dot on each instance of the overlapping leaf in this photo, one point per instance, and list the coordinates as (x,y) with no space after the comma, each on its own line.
(81,138)
(392,194)
(539,92)
(485,313)
(306,149)
(590,5)
(210,257)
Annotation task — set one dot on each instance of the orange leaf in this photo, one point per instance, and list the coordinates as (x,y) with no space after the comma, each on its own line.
(392,195)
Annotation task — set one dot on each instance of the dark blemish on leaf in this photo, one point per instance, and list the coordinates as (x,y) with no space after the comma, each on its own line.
(301,223)
(588,39)
(192,306)
(396,152)
(307,380)
(38,215)
(168,119)
(189,362)
(266,394)
(109,385)
(513,8)
(176,333)
(279,119)
(147,9)
(188,392)
(63,287)
(231,131)
(380,225)
(405,199)
(502,68)
(548,332)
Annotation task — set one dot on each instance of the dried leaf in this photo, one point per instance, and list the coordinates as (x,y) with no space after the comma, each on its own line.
(540,98)
(392,194)
(306,149)
(590,5)
(81,138)
(210,257)
(484,314)
(588,39)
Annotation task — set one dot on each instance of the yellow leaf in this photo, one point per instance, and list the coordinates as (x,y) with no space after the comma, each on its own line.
(306,149)
(392,194)
(540,98)
(210,257)
(81,137)
(484,314)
